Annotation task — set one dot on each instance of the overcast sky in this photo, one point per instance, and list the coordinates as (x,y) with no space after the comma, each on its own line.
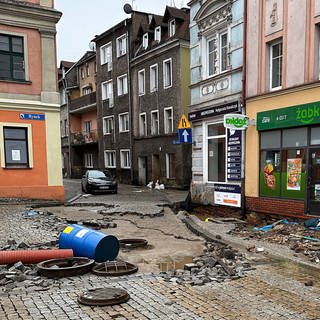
(82,19)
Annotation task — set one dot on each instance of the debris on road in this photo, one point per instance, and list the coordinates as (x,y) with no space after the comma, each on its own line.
(299,238)
(219,263)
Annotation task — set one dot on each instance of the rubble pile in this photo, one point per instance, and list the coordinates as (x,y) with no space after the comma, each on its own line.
(294,235)
(218,263)
(20,277)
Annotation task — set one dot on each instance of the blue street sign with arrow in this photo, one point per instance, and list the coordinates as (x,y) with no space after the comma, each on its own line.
(185,135)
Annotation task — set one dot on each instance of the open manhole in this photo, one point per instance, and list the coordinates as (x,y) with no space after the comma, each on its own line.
(65,267)
(103,297)
(133,243)
(114,268)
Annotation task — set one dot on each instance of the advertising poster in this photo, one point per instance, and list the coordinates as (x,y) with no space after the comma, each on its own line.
(294,174)
(269,177)
(227,195)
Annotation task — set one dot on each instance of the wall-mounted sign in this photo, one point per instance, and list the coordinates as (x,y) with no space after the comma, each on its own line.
(214,111)
(234,154)
(227,195)
(235,121)
(32,116)
(301,115)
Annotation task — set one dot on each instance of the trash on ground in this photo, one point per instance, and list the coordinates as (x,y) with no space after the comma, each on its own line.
(89,243)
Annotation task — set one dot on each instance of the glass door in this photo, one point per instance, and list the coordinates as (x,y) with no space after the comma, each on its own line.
(314,182)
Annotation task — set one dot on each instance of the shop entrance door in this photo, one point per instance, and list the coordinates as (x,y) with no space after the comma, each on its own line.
(314,182)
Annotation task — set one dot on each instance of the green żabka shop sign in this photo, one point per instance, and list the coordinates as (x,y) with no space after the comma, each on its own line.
(301,115)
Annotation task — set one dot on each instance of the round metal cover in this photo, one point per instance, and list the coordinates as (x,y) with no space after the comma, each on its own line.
(114,268)
(65,267)
(132,243)
(103,297)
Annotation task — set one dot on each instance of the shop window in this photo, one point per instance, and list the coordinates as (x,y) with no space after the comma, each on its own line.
(216,156)
(283,163)
(315,136)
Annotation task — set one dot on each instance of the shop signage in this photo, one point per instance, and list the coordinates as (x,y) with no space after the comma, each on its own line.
(227,195)
(234,154)
(301,115)
(214,111)
(32,116)
(235,121)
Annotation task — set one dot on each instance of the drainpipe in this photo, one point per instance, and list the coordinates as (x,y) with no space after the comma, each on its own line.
(243,98)
(129,95)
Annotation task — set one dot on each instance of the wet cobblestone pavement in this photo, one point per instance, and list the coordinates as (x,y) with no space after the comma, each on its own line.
(272,291)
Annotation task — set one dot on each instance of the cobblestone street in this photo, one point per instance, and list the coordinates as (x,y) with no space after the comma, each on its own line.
(273,290)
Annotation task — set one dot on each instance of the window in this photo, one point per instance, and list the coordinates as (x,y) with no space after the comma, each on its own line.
(154,78)
(143,124)
(157,34)
(87,126)
(276,65)
(145,41)
(170,165)
(141,82)
(88,160)
(216,152)
(167,73)
(283,156)
(87,70)
(108,125)
(107,92)
(217,54)
(81,73)
(86,90)
(121,45)
(12,63)
(125,159)
(168,120)
(16,147)
(106,55)
(172,28)
(124,122)
(122,85)
(110,158)
(223,52)
(154,122)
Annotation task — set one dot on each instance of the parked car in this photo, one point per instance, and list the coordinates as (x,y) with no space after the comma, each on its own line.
(98,181)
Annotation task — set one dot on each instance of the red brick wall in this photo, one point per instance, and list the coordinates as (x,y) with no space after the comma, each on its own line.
(275,206)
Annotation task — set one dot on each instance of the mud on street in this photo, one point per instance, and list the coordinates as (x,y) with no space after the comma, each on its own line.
(225,283)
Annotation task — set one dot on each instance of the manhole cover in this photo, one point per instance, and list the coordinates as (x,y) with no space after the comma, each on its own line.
(114,268)
(132,243)
(65,267)
(103,297)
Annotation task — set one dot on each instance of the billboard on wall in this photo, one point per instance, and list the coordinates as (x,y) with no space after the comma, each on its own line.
(227,195)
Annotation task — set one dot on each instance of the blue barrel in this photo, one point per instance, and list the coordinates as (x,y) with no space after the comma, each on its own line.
(89,243)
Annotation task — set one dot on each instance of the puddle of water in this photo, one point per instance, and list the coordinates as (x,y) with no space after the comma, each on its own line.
(174,264)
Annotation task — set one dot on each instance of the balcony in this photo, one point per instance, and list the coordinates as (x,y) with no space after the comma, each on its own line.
(83,138)
(83,104)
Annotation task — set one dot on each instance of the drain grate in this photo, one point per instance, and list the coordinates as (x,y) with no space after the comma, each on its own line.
(132,243)
(114,268)
(103,297)
(65,267)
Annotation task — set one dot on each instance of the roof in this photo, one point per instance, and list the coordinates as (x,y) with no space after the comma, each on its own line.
(172,12)
(86,57)
(66,64)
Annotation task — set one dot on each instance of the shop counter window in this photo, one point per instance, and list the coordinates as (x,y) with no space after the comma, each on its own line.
(283,163)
